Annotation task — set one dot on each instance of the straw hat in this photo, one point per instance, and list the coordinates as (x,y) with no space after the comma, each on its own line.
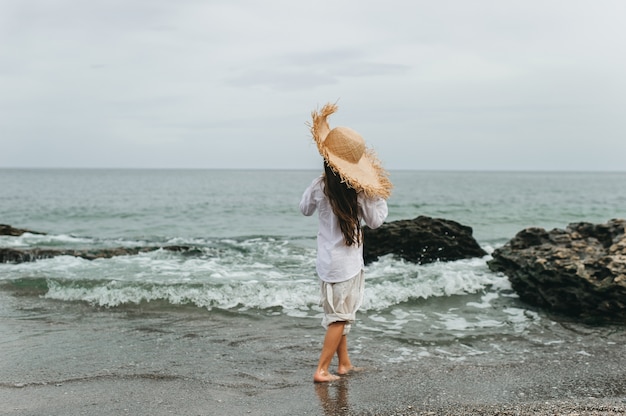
(345,151)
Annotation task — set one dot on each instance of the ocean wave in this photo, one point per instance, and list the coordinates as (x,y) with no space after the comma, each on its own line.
(270,276)
(234,295)
(251,294)
(42,240)
(417,303)
(391,281)
(243,282)
(259,272)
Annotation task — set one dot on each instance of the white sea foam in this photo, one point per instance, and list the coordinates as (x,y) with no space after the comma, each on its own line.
(290,296)
(390,281)
(255,273)
(485,301)
(402,299)
(41,240)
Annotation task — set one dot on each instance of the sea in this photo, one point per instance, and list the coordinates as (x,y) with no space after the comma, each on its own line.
(253,257)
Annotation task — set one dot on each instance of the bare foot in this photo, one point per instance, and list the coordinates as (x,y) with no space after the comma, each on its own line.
(322,376)
(344,371)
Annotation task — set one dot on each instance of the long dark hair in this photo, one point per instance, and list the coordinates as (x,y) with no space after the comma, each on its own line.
(343,201)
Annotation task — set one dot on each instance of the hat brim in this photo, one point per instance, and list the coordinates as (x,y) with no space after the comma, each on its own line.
(367,175)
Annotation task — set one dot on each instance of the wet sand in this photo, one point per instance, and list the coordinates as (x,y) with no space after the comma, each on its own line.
(72,359)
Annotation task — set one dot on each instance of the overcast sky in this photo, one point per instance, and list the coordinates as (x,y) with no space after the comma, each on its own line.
(477,85)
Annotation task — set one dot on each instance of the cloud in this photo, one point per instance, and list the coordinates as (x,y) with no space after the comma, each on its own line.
(437,85)
(282,79)
(306,71)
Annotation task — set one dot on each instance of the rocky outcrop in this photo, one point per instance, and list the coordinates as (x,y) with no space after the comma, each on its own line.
(15,232)
(579,271)
(9,255)
(13,255)
(421,240)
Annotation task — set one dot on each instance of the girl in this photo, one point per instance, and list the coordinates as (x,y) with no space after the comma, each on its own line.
(353,188)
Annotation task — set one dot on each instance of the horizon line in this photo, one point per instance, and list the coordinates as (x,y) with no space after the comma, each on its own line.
(311,169)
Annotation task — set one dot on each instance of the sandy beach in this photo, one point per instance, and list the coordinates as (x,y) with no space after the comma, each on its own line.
(367,395)
(74,359)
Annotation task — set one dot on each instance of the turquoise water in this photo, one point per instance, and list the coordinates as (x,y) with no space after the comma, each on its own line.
(206,203)
(256,252)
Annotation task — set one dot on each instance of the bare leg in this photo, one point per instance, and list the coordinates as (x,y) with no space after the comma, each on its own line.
(334,336)
(345,365)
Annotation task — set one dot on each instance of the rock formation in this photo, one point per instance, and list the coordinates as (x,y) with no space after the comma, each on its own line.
(421,240)
(11,255)
(579,271)
(15,232)
(15,255)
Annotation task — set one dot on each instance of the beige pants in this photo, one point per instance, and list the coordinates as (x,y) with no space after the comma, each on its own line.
(341,301)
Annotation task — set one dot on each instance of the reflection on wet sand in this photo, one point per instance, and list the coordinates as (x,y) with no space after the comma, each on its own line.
(333,397)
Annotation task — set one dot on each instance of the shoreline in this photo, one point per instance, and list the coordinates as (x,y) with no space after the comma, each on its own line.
(144,396)
(364,395)
(62,358)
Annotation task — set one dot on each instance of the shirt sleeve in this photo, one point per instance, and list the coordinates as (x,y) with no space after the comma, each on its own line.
(308,203)
(373,211)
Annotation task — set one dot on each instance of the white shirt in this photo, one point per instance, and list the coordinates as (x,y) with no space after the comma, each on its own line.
(336,261)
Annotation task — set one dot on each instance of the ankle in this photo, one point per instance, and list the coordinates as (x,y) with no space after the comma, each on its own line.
(323,376)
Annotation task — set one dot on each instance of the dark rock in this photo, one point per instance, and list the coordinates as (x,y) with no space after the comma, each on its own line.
(15,232)
(9,255)
(579,271)
(421,240)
